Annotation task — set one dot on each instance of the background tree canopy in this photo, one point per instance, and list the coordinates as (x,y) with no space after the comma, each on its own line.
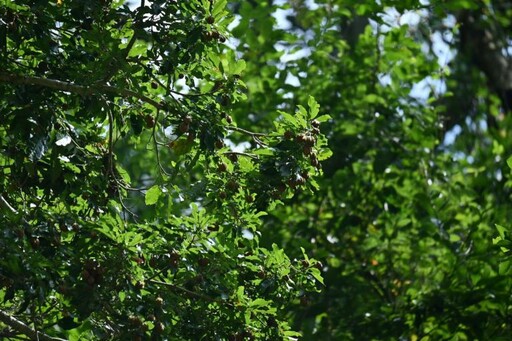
(267,170)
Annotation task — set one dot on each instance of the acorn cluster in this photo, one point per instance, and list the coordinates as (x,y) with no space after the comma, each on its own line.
(169,260)
(306,141)
(213,34)
(92,272)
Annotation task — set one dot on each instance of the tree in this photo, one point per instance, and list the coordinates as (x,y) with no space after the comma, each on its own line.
(162,159)
(404,218)
(128,212)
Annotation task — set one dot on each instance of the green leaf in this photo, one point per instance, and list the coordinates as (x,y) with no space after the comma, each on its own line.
(138,49)
(259,302)
(501,231)
(324,154)
(323,118)
(263,151)
(317,274)
(152,195)
(238,67)
(289,119)
(218,8)
(314,107)
(509,162)
(182,146)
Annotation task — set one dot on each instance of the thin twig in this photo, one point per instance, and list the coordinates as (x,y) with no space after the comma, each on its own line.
(6,204)
(155,144)
(192,293)
(247,132)
(242,154)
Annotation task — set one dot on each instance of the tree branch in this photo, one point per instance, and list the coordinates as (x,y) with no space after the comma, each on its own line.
(83,90)
(25,329)
(7,205)
(191,293)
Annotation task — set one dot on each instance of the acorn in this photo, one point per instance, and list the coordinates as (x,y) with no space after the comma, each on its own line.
(222,167)
(208,36)
(224,100)
(210,20)
(233,157)
(150,121)
(314,162)
(300,180)
(35,242)
(203,262)
(281,188)
(174,263)
(309,140)
(307,150)
(183,127)
(63,228)
(232,185)
(138,260)
(159,327)
(301,138)
(174,259)
(159,301)
(174,256)
(292,183)
(134,320)
(153,261)
(219,144)
(247,335)
(304,301)
(191,136)
(187,119)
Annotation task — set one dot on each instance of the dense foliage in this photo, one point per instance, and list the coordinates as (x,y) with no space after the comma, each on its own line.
(404,221)
(166,170)
(126,213)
